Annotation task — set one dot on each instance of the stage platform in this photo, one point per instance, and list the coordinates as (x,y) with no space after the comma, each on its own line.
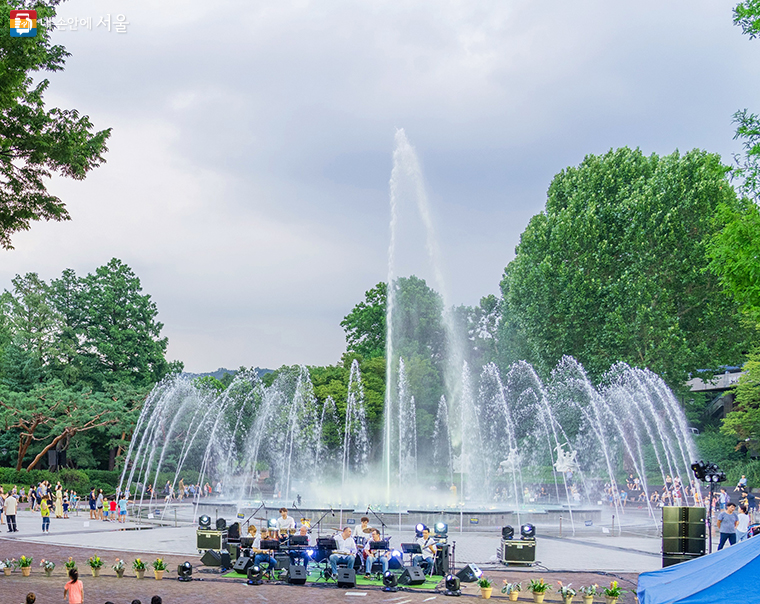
(314,577)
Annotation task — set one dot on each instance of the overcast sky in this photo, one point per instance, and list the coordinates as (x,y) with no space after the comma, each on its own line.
(247,177)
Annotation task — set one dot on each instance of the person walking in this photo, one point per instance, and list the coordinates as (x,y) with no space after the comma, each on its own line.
(11,505)
(743,526)
(45,513)
(74,589)
(727,523)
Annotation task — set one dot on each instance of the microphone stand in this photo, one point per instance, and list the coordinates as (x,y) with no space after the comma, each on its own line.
(319,522)
(382,524)
(247,522)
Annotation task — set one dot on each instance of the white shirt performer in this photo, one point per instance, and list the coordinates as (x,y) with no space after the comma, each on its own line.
(429,549)
(285,522)
(345,552)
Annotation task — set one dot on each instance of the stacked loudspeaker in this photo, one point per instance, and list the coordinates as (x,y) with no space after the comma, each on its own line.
(683,534)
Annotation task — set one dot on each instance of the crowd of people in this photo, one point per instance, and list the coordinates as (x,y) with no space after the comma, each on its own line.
(44,498)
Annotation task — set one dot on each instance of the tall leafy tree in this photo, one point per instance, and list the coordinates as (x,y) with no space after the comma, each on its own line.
(365,324)
(615,268)
(36,142)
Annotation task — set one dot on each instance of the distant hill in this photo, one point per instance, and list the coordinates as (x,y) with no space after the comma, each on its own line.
(219,373)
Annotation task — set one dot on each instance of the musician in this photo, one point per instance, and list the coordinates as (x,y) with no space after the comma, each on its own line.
(427,544)
(261,555)
(373,555)
(302,555)
(345,552)
(363,530)
(285,522)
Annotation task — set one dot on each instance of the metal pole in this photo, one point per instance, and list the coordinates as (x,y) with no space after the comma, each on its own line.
(709,518)
(560,526)
(613,526)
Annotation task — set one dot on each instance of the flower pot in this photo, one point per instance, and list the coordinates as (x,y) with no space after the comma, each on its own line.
(588,599)
(538,597)
(513,595)
(140,573)
(159,574)
(95,572)
(610,600)
(568,599)
(48,572)
(26,570)
(120,573)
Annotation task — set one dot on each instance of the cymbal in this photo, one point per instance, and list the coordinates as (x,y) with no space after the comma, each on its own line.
(367,530)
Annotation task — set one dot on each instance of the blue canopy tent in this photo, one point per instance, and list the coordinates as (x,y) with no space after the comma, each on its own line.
(729,575)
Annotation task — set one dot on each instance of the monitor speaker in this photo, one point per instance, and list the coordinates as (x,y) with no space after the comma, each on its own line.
(442,565)
(211,558)
(242,565)
(469,574)
(346,577)
(297,575)
(413,575)
(225,560)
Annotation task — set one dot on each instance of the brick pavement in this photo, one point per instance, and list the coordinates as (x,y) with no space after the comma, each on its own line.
(213,588)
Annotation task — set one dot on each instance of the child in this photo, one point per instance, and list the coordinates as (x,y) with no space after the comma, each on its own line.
(123,508)
(45,511)
(74,588)
(112,503)
(106,508)
(66,504)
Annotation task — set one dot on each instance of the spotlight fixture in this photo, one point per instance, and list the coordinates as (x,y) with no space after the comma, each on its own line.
(184,572)
(441,529)
(397,554)
(204,522)
(528,531)
(221,524)
(418,529)
(452,586)
(255,575)
(507,532)
(708,472)
(389,581)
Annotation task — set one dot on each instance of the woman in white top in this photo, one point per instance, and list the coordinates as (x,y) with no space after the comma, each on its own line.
(743,526)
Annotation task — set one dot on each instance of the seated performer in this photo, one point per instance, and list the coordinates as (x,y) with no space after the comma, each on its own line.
(301,555)
(261,555)
(373,555)
(363,530)
(285,522)
(345,552)
(426,560)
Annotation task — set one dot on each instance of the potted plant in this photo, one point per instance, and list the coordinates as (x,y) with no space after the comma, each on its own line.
(159,566)
(26,565)
(139,567)
(7,566)
(539,589)
(70,564)
(512,590)
(613,592)
(119,566)
(48,566)
(565,592)
(95,563)
(588,592)
(485,587)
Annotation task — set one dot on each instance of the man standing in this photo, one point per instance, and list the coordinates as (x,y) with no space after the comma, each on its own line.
(345,552)
(11,503)
(727,523)
(429,549)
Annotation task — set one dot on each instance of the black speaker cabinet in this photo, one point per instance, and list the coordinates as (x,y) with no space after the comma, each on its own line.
(412,575)
(225,560)
(242,565)
(297,575)
(208,539)
(283,560)
(441,567)
(677,545)
(234,549)
(518,551)
(211,558)
(670,560)
(346,577)
(672,513)
(469,574)
(683,531)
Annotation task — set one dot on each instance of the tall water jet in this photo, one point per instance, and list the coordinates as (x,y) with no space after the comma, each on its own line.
(355,440)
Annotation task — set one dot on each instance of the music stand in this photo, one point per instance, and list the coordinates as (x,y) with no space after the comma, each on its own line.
(411,549)
(380,545)
(299,540)
(270,544)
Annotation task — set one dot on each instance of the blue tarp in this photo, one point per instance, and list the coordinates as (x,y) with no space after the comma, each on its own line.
(730,575)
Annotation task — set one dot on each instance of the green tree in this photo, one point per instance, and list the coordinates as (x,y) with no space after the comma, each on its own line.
(365,324)
(36,142)
(121,337)
(747,16)
(32,320)
(615,268)
(744,421)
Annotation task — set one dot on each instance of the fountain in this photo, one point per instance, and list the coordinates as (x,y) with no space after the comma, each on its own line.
(504,441)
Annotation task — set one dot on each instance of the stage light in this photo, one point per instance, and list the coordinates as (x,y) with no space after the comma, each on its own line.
(452,586)
(272,523)
(396,553)
(204,522)
(221,524)
(389,581)
(418,529)
(507,532)
(528,531)
(184,572)
(699,470)
(441,529)
(255,575)
(310,552)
